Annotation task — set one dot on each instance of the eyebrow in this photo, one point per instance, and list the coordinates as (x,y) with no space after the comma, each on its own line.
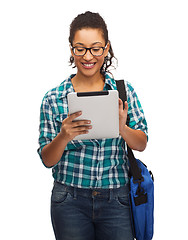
(91,44)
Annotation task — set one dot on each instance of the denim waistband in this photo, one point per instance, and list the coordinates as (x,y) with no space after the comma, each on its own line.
(95,192)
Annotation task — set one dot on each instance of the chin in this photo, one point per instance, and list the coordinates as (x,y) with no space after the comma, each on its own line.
(89,72)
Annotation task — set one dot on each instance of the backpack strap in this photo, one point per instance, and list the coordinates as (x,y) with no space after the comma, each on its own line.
(122,95)
(135,170)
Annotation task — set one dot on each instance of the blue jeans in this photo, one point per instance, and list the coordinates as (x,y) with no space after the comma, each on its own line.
(86,214)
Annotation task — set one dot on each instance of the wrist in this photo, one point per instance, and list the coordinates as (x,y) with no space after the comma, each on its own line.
(63,138)
(123,131)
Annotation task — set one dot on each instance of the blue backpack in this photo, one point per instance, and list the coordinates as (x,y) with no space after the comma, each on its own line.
(141,189)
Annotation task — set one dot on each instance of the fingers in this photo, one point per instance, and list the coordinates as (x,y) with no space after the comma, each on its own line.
(123,106)
(120,102)
(71,127)
(80,123)
(74,115)
(82,129)
(77,123)
(126,106)
(78,128)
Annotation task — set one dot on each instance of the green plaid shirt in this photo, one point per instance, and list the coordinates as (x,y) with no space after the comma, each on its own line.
(88,163)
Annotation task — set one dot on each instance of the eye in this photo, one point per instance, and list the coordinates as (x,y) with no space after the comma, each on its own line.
(80,49)
(96,49)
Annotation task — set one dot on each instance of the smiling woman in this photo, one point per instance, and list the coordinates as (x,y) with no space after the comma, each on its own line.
(91,183)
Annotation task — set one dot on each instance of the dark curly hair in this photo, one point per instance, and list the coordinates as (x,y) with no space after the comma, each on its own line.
(92,20)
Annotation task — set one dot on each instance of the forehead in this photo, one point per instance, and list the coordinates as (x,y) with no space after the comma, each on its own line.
(88,36)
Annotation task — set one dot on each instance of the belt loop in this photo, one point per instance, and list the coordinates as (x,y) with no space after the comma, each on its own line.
(111,195)
(74,193)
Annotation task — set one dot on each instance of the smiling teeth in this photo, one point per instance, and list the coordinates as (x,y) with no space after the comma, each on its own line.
(88,65)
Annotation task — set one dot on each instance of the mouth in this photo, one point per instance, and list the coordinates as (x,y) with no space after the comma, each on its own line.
(88,65)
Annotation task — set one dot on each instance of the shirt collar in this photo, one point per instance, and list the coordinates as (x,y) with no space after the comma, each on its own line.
(67,87)
(110,82)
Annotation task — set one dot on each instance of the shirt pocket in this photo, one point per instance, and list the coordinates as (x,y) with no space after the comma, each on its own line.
(58,121)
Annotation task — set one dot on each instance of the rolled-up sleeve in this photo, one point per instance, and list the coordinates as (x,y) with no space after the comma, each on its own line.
(135,111)
(46,128)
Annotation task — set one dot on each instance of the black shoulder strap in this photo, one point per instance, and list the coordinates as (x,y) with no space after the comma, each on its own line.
(122,94)
(135,170)
(122,91)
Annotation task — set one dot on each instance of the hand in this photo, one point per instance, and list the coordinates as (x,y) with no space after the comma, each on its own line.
(70,128)
(122,115)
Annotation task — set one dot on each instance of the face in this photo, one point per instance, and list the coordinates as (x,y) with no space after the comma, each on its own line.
(89,65)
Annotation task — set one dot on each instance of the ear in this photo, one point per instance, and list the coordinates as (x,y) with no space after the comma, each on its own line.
(107,49)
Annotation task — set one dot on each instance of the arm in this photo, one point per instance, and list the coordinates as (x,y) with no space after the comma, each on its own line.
(52,152)
(136,139)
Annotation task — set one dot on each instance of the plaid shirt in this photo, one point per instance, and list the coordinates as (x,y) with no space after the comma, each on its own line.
(88,163)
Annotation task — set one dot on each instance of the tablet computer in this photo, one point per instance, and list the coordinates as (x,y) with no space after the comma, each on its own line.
(101,108)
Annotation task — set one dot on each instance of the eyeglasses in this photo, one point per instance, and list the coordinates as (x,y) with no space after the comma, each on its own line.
(95,51)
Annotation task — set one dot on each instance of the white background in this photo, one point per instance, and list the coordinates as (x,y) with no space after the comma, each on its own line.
(150,40)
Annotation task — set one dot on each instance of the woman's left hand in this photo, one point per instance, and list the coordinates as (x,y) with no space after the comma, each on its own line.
(122,115)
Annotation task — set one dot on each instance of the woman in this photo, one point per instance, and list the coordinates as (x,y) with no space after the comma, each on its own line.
(90,194)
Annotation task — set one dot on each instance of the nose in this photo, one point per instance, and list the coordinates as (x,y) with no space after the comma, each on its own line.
(88,56)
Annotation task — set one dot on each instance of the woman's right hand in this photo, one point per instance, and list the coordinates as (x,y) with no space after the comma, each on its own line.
(70,128)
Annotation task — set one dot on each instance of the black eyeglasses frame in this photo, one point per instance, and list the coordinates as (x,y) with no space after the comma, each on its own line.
(86,49)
